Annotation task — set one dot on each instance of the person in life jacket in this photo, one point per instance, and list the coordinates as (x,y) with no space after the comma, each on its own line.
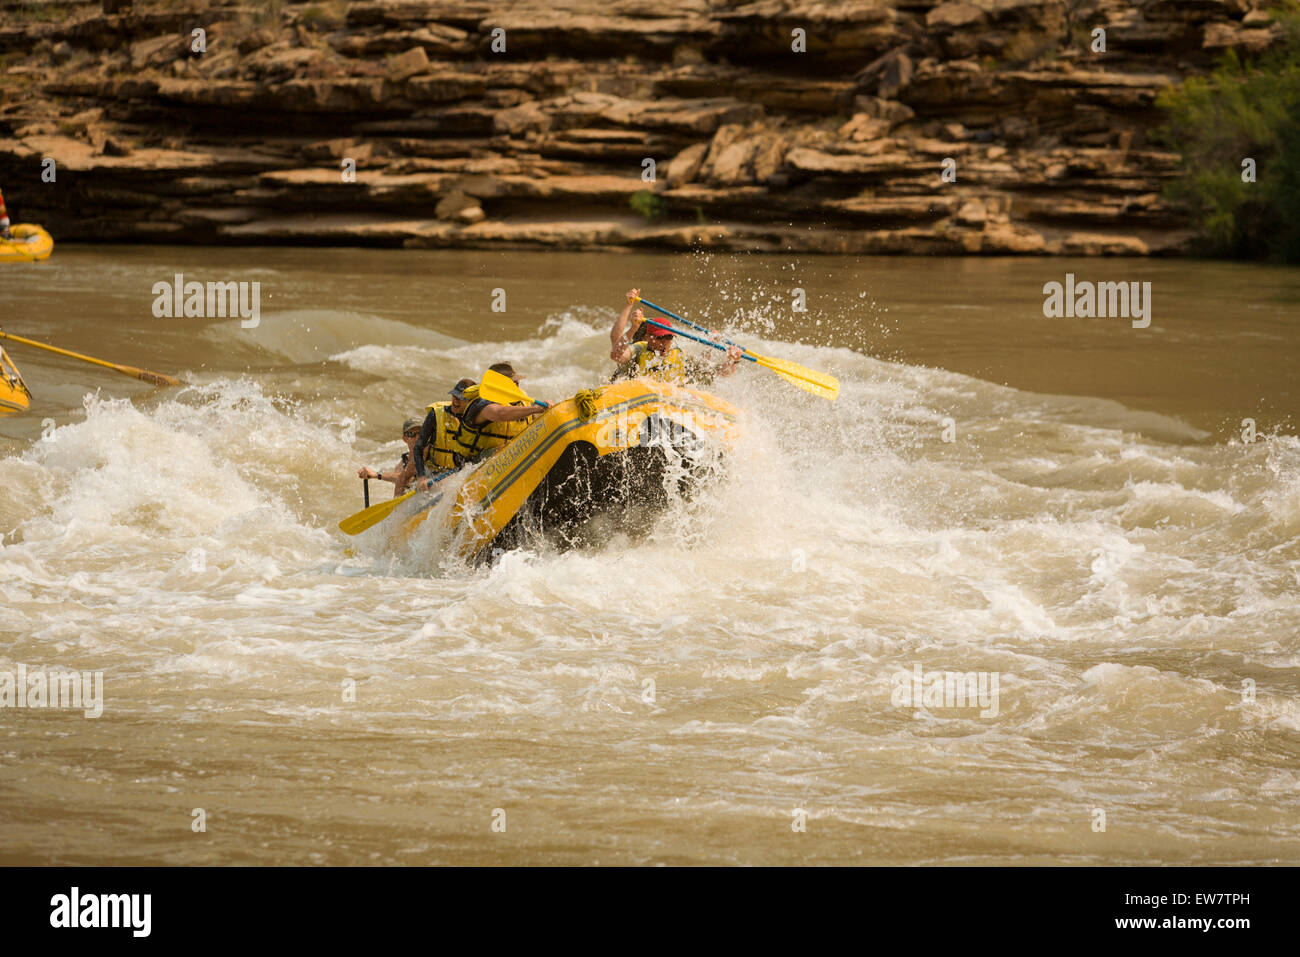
(655,356)
(510,428)
(485,426)
(4,218)
(402,475)
(439,453)
(435,446)
(475,426)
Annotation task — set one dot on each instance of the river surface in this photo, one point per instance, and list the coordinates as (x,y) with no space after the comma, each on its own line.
(1074,512)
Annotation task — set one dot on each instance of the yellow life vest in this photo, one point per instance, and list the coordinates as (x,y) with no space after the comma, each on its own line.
(472,442)
(439,453)
(517,426)
(645,362)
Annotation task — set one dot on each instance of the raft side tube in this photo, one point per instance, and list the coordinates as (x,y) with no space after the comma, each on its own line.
(565,472)
(27,243)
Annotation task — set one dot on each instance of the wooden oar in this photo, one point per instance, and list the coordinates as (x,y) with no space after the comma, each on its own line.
(157,378)
(818,383)
(358,523)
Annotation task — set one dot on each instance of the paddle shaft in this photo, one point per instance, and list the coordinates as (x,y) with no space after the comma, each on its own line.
(673,315)
(707,342)
(155,377)
(821,384)
(374,514)
(365,490)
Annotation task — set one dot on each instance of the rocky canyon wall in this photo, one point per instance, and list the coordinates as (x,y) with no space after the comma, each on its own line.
(912,126)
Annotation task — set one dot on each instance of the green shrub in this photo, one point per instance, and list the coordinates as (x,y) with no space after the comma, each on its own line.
(647,204)
(40,12)
(266,13)
(324,17)
(1244,109)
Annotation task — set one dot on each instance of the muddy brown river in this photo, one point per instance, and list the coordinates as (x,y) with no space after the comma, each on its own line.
(1098,524)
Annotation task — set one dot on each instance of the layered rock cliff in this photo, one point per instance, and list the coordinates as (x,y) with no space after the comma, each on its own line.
(910,126)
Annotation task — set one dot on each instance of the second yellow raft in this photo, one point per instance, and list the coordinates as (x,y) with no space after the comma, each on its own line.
(27,242)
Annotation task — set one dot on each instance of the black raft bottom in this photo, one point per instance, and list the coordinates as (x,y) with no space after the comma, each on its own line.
(586,498)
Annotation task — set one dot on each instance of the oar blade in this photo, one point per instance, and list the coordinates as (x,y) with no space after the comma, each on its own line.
(496,387)
(810,380)
(144,375)
(364,519)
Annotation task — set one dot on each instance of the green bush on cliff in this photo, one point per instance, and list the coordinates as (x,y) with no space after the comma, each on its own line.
(1244,109)
(266,13)
(325,17)
(647,204)
(46,12)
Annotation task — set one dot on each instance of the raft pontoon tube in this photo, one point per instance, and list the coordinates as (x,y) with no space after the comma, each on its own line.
(14,394)
(604,461)
(27,243)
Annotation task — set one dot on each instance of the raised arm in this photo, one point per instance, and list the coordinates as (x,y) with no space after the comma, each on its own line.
(495,412)
(620,349)
(400,475)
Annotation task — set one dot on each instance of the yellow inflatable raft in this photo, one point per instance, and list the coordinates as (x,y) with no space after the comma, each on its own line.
(604,461)
(27,243)
(14,394)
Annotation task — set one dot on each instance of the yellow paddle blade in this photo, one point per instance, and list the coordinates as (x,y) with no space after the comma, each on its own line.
(810,380)
(496,387)
(358,523)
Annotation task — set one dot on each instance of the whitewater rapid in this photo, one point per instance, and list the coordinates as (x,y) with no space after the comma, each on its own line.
(675,699)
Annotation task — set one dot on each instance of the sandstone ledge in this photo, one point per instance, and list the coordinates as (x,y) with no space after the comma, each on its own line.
(963,128)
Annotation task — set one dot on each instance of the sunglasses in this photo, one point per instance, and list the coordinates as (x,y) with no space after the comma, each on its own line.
(411,434)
